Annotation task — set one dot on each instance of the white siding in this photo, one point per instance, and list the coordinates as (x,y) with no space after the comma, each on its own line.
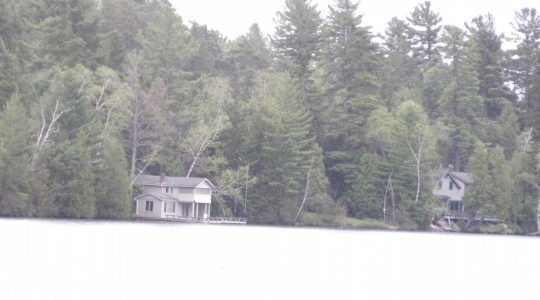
(184,194)
(453,194)
(141,207)
(177,210)
(203,195)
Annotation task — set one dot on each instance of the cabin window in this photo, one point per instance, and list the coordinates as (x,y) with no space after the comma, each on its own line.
(149,205)
(455,205)
(451,185)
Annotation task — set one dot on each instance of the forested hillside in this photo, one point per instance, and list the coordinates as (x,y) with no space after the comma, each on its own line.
(312,123)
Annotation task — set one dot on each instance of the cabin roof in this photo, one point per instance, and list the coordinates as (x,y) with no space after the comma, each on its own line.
(464,177)
(159,196)
(172,181)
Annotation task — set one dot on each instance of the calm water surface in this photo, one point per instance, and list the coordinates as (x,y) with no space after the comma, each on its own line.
(114,260)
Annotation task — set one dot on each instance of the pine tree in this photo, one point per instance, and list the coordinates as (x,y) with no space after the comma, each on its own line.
(243,58)
(425,30)
(523,61)
(10,74)
(112,182)
(69,158)
(297,41)
(398,70)
(69,33)
(280,149)
(365,197)
(486,57)
(15,150)
(462,108)
(350,90)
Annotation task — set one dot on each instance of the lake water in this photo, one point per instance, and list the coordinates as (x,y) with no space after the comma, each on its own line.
(122,260)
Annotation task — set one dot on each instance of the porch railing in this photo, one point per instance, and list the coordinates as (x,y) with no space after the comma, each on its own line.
(213,220)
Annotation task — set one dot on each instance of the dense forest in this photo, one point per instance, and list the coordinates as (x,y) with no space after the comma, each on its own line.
(320,122)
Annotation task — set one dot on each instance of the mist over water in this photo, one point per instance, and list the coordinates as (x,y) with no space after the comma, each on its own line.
(123,260)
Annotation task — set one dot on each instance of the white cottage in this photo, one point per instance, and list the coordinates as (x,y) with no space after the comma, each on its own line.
(166,197)
(450,186)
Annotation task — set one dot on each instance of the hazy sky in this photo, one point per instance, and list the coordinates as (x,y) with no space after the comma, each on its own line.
(233,17)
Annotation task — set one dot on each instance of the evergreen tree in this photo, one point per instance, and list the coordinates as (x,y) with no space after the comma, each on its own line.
(491,193)
(350,91)
(11,24)
(69,33)
(297,41)
(15,149)
(122,20)
(10,74)
(424,30)
(462,108)
(70,156)
(281,147)
(523,61)
(486,57)
(398,70)
(112,182)
(365,197)
(206,49)
(243,58)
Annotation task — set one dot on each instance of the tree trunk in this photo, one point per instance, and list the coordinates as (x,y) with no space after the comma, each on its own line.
(538,213)
(306,192)
(134,142)
(193,164)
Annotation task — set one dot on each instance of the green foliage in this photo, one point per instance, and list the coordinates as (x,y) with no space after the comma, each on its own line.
(297,40)
(10,74)
(425,30)
(112,182)
(491,193)
(318,123)
(281,146)
(15,145)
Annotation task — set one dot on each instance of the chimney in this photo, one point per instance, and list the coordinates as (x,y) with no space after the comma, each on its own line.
(162,178)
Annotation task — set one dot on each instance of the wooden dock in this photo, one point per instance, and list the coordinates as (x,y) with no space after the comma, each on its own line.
(214,220)
(464,215)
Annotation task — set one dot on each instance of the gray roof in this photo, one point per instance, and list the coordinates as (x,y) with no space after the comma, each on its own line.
(160,196)
(171,181)
(465,177)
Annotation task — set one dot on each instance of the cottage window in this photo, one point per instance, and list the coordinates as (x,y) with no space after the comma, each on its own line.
(439,185)
(173,207)
(164,206)
(169,189)
(451,185)
(149,205)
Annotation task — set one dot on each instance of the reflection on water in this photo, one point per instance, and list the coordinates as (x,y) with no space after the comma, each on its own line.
(114,260)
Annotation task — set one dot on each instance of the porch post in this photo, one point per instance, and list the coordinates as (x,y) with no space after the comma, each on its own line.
(193,210)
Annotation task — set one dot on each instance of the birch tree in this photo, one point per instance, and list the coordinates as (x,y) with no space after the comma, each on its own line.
(208,123)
